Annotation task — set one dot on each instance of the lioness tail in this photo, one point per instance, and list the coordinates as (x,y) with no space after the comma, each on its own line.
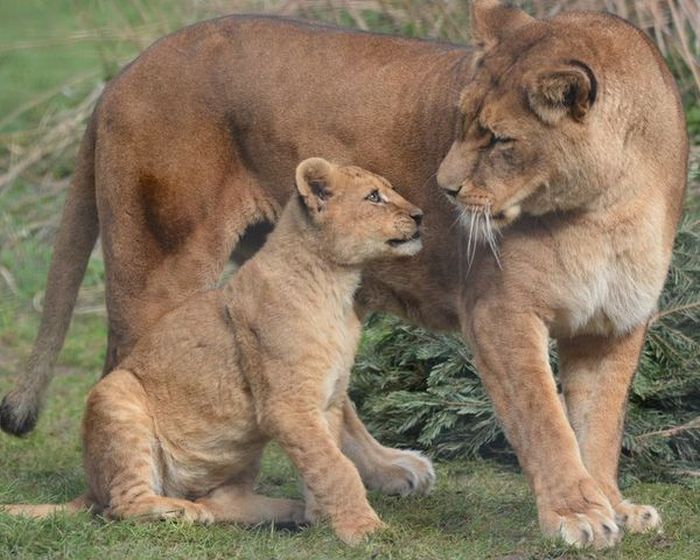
(76,238)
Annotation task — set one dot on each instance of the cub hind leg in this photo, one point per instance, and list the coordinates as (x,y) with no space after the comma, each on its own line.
(596,373)
(237,503)
(121,458)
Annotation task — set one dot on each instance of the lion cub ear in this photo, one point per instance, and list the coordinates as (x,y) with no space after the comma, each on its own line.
(491,21)
(313,182)
(556,93)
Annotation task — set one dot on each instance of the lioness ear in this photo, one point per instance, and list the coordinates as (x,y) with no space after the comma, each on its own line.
(313,182)
(569,90)
(491,21)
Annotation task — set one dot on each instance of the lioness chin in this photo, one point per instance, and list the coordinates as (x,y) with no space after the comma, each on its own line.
(179,428)
(568,137)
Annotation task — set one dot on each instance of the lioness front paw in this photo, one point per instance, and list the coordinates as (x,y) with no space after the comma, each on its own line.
(353,529)
(582,517)
(636,518)
(407,472)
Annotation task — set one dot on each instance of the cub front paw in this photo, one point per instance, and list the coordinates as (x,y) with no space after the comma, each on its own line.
(405,472)
(354,529)
(636,518)
(582,517)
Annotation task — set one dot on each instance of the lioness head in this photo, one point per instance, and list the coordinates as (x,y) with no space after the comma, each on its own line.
(358,215)
(557,114)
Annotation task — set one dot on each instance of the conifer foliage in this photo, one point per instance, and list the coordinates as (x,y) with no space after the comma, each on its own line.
(420,389)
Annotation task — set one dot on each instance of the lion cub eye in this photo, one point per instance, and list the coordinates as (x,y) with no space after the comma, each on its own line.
(374,197)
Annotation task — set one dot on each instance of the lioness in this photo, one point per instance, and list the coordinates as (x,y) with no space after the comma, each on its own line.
(569,129)
(179,428)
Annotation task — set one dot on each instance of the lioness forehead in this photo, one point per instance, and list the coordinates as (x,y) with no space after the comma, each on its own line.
(504,67)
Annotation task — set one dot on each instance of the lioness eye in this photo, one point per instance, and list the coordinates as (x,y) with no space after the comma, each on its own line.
(500,140)
(373,197)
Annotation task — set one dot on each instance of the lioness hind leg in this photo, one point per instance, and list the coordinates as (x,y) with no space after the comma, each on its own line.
(169,239)
(596,373)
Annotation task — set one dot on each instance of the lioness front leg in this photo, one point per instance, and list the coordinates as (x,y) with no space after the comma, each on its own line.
(331,478)
(392,471)
(510,349)
(596,373)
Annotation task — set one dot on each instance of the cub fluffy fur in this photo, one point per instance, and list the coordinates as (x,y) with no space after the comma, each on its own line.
(179,428)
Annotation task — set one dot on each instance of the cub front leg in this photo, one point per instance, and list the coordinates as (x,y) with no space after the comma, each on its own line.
(510,350)
(335,486)
(596,373)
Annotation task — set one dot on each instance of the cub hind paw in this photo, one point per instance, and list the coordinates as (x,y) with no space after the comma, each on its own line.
(637,518)
(407,473)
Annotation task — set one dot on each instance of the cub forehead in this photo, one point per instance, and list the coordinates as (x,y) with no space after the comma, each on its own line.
(363,177)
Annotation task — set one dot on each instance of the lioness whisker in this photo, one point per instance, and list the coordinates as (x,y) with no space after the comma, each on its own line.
(459,218)
(428,180)
(491,239)
(472,241)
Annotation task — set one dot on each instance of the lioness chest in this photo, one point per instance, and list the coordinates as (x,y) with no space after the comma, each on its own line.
(611,286)
(585,279)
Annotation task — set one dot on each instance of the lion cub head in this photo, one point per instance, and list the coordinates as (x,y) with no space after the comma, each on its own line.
(357,215)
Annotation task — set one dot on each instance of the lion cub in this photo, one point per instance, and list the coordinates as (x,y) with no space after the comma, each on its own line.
(179,428)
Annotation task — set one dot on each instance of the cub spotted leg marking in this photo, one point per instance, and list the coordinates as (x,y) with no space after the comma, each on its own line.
(511,356)
(392,471)
(596,373)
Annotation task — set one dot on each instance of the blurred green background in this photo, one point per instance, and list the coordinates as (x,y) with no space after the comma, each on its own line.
(414,388)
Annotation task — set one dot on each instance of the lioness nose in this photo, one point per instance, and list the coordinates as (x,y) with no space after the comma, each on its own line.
(417,216)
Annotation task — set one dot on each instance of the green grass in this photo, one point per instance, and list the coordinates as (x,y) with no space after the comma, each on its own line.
(478,510)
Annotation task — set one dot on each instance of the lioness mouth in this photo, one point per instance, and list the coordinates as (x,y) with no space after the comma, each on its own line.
(396,242)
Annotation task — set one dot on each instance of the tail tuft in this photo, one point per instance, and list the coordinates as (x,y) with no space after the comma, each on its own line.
(17,418)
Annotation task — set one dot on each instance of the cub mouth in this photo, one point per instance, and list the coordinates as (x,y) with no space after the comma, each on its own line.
(397,242)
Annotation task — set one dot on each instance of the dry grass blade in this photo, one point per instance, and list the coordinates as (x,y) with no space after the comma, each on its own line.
(63,131)
(674,25)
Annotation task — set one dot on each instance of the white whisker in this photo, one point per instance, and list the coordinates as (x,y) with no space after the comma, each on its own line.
(491,240)
(428,180)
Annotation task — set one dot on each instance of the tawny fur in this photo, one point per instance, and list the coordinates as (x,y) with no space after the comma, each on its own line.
(592,189)
(179,428)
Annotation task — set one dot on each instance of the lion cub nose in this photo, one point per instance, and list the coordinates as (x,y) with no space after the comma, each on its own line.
(417,215)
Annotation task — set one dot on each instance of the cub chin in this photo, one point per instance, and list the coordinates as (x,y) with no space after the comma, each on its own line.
(179,428)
